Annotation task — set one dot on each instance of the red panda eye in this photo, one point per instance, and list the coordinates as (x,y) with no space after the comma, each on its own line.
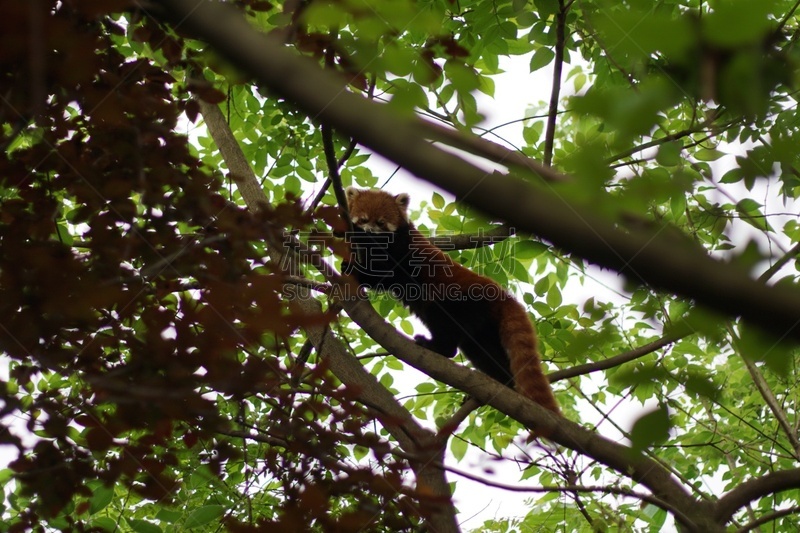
(381,223)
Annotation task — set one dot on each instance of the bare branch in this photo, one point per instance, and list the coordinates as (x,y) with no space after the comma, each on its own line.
(321,194)
(671,137)
(333,173)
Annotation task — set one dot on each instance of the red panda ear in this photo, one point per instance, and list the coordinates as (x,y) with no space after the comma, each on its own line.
(402,201)
(351,193)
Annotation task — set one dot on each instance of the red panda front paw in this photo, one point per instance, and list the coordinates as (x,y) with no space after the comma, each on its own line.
(427,343)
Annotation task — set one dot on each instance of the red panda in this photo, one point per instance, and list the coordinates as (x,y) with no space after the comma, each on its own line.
(460,308)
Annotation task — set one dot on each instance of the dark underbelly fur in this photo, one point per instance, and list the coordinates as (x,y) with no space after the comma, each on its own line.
(468,326)
(465,324)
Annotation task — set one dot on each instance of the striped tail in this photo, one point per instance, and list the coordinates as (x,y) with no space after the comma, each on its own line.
(519,340)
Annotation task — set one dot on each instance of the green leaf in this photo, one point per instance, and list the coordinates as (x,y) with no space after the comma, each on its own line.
(736,22)
(458,447)
(104,522)
(651,428)
(203,515)
(486,85)
(168,515)
(707,154)
(750,212)
(541,58)
(406,96)
(545,8)
(678,206)
(438,200)
(759,346)
(101,497)
(669,154)
(529,249)
(398,60)
(359,452)
(143,526)
(635,34)
(732,176)
(306,174)
(554,297)
(463,77)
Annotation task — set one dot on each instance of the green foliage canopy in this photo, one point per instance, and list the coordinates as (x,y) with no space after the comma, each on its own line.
(157,374)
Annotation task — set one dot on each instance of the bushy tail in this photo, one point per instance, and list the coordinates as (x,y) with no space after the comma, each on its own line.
(519,340)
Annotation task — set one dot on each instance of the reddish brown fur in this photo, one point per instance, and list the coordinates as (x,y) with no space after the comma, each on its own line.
(493,332)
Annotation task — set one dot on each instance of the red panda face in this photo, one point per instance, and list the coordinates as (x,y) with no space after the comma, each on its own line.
(377,211)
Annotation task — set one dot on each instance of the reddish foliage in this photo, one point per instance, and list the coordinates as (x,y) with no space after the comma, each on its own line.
(162,298)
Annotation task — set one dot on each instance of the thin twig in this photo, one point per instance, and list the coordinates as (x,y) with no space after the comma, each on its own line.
(614,361)
(450,425)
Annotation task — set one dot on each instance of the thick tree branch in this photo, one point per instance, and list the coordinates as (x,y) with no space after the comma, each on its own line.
(645,256)
(564,432)
(754,489)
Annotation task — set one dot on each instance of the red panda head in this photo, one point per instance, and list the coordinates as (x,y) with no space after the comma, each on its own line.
(377,211)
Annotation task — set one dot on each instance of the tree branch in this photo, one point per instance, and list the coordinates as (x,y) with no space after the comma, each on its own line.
(576,489)
(484,148)
(785,258)
(639,254)
(333,173)
(450,425)
(471,241)
(754,489)
(565,489)
(669,137)
(767,394)
(613,361)
(555,91)
(562,431)
(769,517)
